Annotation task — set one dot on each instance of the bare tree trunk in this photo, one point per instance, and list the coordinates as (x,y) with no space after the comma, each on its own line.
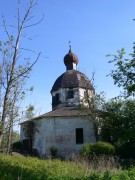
(4,113)
(10,136)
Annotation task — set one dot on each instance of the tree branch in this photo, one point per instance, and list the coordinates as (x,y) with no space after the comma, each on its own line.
(34,24)
(27,69)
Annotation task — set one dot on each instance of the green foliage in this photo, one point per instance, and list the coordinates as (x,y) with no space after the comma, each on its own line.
(118,124)
(126,150)
(93,108)
(19,167)
(115,175)
(15,138)
(29,114)
(33,168)
(98,148)
(124,74)
(103,148)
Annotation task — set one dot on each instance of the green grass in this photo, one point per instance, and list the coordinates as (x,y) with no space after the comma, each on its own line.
(28,168)
(35,169)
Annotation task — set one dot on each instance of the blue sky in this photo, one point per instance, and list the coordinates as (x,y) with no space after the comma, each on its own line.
(94,27)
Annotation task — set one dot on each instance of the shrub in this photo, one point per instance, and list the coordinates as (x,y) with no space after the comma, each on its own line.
(87,149)
(99,148)
(103,148)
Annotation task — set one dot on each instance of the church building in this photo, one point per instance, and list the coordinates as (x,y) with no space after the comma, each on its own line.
(65,128)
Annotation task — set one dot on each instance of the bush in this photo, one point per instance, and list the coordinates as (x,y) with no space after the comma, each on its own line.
(87,149)
(99,148)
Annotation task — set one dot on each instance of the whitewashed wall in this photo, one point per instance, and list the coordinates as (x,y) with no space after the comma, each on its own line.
(60,132)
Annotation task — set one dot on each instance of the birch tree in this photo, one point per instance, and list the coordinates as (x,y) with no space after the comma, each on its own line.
(14,70)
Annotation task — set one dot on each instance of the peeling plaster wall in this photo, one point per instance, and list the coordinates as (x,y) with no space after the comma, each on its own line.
(64,101)
(60,132)
(83,99)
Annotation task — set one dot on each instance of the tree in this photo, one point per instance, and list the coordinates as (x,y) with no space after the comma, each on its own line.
(29,131)
(124,74)
(5,142)
(93,111)
(13,72)
(29,113)
(118,122)
(91,105)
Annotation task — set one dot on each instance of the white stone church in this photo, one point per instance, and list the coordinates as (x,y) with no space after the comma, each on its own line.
(65,127)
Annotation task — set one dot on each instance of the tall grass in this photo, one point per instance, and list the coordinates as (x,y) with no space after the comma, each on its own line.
(28,168)
(100,163)
(33,168)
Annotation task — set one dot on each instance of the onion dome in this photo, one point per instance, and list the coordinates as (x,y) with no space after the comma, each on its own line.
(70,60)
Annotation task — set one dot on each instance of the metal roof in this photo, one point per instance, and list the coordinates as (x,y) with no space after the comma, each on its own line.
(61,112)
(72,79)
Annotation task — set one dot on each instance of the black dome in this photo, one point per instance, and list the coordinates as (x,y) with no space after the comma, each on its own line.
(72,79)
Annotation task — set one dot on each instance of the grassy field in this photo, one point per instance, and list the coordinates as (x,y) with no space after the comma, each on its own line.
(28,168)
